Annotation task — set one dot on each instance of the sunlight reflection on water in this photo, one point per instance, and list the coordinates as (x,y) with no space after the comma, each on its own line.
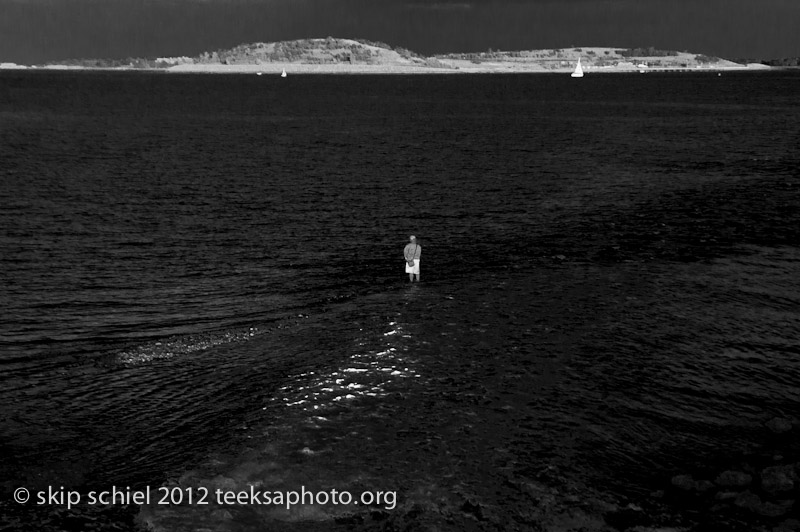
(364,374)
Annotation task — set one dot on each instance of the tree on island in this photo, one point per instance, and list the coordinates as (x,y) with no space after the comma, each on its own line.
(646,52)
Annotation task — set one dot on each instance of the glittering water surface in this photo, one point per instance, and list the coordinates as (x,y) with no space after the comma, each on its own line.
(188,259)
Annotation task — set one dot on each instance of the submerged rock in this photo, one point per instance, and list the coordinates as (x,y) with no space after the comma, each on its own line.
(752,502)
(777,479)
(733,479)
(703,486)
(775,509)
(222,482)
(221,514)
(749,501)
(779,425)
(790,525)
(687,483)
(684,482)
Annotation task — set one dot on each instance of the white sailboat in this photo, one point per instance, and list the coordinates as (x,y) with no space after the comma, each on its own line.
(578,72)
(283,73)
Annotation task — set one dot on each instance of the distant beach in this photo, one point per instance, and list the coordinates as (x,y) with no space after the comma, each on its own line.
(486,68)
(303,68)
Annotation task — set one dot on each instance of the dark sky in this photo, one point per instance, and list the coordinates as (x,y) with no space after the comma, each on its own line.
(33,31)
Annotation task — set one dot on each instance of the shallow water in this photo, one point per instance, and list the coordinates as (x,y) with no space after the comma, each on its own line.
(191,261)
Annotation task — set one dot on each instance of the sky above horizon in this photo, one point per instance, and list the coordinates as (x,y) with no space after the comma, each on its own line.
(36,31)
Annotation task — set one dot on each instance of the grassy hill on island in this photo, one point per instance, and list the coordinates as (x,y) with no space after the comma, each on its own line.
(318,51)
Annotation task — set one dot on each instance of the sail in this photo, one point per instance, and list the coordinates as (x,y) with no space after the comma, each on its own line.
(578,73)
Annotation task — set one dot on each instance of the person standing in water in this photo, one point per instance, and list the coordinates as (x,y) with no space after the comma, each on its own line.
(412,253)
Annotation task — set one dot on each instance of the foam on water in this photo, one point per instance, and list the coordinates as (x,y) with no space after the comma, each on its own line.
(182,345)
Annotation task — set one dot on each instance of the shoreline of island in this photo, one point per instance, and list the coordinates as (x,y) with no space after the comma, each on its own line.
(275,69)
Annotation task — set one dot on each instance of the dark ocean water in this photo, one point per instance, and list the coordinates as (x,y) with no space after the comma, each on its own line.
(178,252)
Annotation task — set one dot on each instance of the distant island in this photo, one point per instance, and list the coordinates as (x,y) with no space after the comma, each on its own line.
(332,55)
